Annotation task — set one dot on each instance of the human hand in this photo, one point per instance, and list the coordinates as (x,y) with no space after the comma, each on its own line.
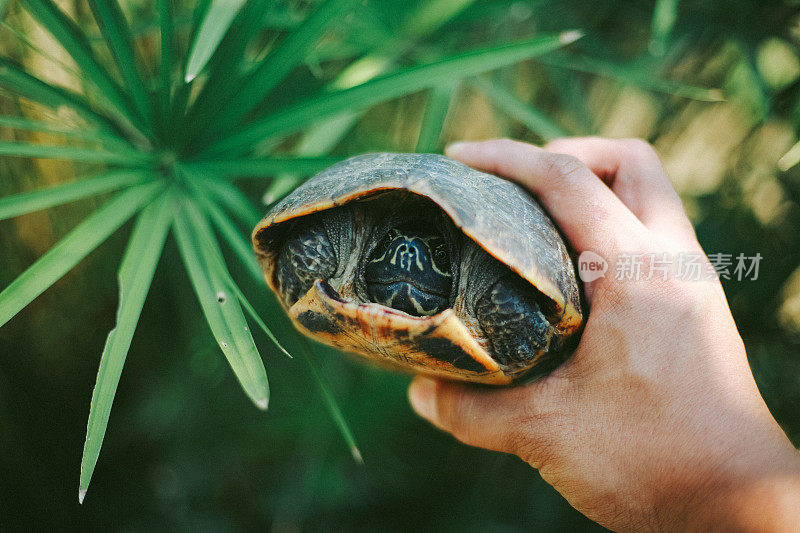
(655,422)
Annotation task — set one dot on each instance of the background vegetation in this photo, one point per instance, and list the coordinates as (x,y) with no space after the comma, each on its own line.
(715,86)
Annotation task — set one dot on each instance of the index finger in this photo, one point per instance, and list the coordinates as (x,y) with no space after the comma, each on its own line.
(632,169)
(587,211)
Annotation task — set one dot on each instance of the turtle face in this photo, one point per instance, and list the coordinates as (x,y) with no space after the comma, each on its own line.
(410,270)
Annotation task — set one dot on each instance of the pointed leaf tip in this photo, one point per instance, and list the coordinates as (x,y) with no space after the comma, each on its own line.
(262,404)
(81,495)
(570,36)
(354,451)
(216,23)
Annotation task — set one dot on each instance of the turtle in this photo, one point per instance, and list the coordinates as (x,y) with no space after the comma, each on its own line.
(421,263)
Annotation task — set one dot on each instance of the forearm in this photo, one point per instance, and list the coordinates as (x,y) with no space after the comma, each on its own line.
(762,496)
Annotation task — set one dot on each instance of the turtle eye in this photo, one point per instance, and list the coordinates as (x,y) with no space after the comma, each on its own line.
(442,258)
(379,251)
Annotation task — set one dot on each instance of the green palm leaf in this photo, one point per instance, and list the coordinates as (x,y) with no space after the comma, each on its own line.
(242,248)
(165,65)
(639,76)
(115,30)
(216,22)
(330,402)
(279,62)
(71,249)
(387,87)
(435,115)
(534,120)
(230,197)
(203,260)
(27,202)
(84,133)
(245,252)
(135,275)
(14,77)
(88,155)
(232,235)
(266,166)
(73,40)
(225,65)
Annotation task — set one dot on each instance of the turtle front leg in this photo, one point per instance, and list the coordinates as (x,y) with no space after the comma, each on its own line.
(306,255)
(516,328)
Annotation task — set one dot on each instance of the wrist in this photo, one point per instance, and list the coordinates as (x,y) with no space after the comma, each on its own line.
(759,493)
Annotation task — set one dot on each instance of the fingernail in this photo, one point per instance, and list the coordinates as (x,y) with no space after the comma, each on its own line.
(455,148)
(422,395)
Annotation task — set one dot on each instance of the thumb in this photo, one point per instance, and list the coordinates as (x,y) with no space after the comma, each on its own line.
(509,420)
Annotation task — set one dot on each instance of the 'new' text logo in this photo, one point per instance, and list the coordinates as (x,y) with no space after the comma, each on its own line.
(591,266)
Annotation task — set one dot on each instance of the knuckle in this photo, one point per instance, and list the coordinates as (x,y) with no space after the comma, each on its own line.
(561,167)
(559,144)
(639,148)
(533,437)
(505,143)
(531,431)
(499,149)
(445,405)
(454,408)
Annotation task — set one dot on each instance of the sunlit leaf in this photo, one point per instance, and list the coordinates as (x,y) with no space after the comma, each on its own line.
(216,22)
(36,49)
(83,132)
(435,115)
(223,313)
(27,202)
(88,155)
(790,158)
(256,317)
(665,14)
(71,249)
(135,275)
(235,239)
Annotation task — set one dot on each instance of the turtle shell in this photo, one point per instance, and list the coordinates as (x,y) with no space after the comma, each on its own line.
(498,215)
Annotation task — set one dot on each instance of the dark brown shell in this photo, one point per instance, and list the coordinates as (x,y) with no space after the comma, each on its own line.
(498,215)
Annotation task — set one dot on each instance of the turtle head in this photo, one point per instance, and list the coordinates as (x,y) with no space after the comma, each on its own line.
(410,270)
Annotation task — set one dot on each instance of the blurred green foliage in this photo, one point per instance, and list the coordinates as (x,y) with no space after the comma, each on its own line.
(185,449)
